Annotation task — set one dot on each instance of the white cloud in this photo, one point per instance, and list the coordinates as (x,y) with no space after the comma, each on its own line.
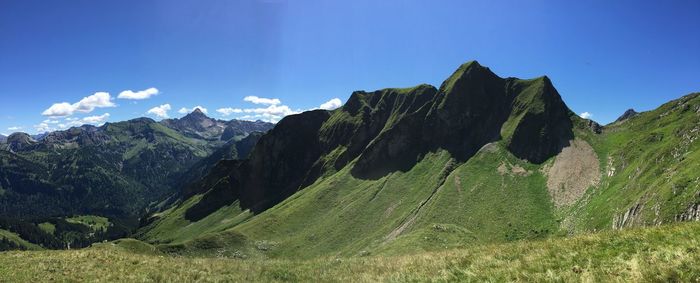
(281,110)
(43,127)
(184,110)
(95,119)
(262,100)
(59,109)
(55,125)
(141,94)
(274,111)
(97,100)
(160,111)
(228,111)
(331,104)
(586,115)
(85,105)
(15,128)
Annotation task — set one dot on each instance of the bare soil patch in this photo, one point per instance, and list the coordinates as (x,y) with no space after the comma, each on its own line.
(574,170)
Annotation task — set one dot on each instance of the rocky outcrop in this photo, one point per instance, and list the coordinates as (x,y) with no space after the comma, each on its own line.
(629,113)
(629,218)
(692,213)
(20,141)
(594,126)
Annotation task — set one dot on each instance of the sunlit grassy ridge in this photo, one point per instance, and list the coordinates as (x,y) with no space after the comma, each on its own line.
(667,253)
(17,240)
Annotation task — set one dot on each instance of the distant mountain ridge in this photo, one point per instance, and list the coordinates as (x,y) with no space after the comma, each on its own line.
(198,125)
(113,170)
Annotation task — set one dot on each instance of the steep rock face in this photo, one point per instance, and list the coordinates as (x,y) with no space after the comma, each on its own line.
(280,163)
(545,126)
(373,115)
(191,181)
(472,108)
(20,141)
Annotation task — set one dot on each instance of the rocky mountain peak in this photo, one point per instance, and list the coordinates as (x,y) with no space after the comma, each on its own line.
(629,113)
(196,115)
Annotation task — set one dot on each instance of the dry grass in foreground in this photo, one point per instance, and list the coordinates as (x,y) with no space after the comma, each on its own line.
(668,253)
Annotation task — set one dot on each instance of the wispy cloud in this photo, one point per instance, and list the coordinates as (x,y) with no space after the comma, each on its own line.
(138,95)
(15,128)
(261,100)
(55,125)
(274,111)
(160,111)
(586,115)
(228,111)
(85,105)
(95,119)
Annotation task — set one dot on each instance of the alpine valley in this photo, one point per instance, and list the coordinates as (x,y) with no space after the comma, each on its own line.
(54,190)
(483,179)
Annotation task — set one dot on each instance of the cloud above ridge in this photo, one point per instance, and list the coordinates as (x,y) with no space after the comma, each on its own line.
(85,105)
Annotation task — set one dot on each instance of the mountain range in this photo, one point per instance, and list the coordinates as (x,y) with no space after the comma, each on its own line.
(115,170)
(480,159)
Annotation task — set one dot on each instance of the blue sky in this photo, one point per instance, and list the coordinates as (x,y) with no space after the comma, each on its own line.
(287,56)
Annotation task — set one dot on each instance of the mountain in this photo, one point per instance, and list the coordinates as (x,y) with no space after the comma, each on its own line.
(115,170)
(482,159)
(2,138)
(628,114)
(198,125)
(19,141)
(40,136)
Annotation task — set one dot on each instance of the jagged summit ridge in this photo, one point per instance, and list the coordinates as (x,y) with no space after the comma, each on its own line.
(389,130)
(199,125)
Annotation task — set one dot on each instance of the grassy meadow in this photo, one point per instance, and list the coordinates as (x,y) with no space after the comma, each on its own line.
(660,254)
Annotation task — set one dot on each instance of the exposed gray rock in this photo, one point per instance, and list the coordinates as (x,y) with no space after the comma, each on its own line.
(690,214)
(20,141)
(628,218)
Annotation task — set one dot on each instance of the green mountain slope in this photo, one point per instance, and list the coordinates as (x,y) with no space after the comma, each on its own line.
(12,241)
(482,159)
(650,164)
